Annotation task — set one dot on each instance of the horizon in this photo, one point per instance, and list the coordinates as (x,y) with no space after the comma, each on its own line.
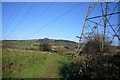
(39,20)
(52,30)
(42,38)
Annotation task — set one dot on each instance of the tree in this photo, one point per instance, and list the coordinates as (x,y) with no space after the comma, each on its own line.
(44,47)
(94,45)
(96,64)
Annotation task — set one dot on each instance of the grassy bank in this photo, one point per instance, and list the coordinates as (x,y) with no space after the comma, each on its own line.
(32,64)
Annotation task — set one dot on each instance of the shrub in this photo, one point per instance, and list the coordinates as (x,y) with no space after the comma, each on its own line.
(103,68)
(94,46)
(96,65)
(45,47)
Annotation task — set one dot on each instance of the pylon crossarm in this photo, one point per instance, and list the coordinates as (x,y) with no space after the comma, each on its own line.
(103,15)
(88,30)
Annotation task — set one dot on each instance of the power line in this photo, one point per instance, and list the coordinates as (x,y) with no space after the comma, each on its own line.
(53,20)
(32,21)
(21,19)
(11,18)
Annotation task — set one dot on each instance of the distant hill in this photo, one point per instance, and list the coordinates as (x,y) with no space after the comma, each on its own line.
(28,43)
(65,43)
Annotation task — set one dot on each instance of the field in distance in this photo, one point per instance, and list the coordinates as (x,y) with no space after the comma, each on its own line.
(23,59)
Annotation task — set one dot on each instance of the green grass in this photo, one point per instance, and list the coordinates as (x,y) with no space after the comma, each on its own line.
(32,64)
(20,44)
(57,46)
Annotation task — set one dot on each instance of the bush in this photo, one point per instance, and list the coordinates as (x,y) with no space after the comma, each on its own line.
(45,47)
(97,64)
(101,68)
(94,46)
(73,71)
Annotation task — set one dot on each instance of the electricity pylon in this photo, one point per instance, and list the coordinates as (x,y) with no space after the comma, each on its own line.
(100,23)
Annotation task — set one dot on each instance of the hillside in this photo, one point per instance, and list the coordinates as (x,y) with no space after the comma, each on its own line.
(35,42)
(53,42)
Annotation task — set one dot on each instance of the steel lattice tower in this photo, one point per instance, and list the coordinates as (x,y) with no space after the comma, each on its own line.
(102,23)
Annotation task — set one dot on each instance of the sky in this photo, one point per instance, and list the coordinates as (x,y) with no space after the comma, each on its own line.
(55,20)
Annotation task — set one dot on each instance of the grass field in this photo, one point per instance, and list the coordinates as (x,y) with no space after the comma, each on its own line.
(19,43)
(32,64)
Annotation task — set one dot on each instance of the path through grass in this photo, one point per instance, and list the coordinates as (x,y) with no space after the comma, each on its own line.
(17,64)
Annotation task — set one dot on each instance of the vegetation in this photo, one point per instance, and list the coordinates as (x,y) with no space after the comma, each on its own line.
(95,45)
(17,43)
(32,64)
(96,64)
(45,47)
(28,59)
(36,45)
(100,68)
